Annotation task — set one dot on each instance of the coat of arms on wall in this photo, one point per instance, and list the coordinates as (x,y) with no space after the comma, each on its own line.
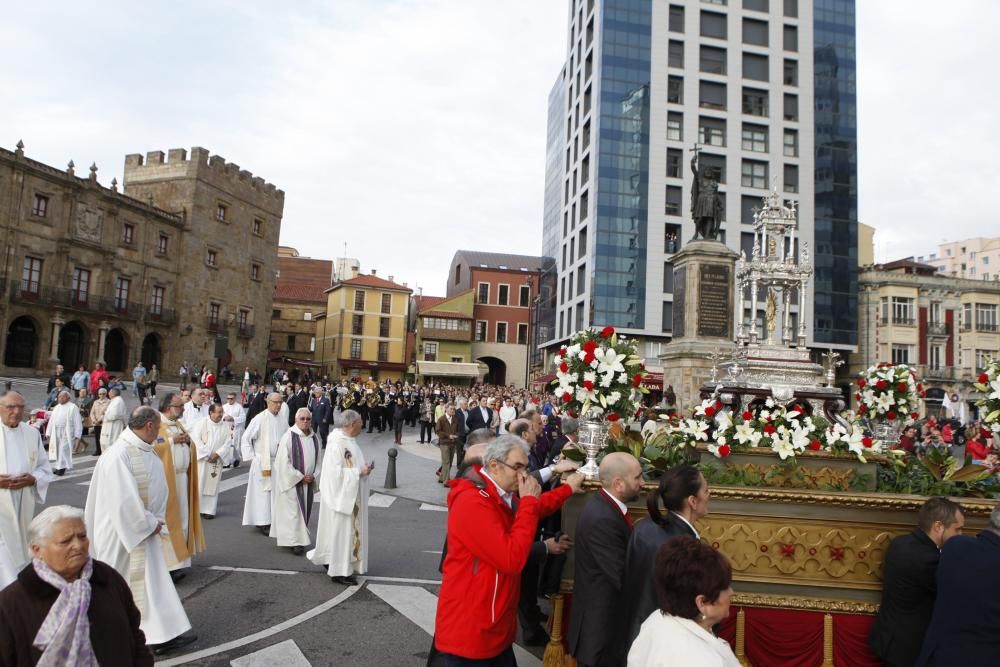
(88,223)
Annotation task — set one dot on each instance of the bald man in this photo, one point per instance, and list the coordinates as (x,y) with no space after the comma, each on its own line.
(260,446)
(599,614)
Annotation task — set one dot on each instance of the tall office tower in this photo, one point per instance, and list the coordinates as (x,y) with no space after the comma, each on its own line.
(766,91)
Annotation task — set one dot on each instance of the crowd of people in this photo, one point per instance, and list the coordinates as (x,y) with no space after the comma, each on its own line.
(645,594)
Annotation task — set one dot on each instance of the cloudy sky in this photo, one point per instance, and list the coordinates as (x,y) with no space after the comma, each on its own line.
(410,128)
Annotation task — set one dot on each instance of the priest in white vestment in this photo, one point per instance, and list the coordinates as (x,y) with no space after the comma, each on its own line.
(196,409)
(25,474)
(260,446)
(294,478)
(114,419)
(213,440)
(180,466)
(64,430)
(236,416)
(126,522)
(342,534)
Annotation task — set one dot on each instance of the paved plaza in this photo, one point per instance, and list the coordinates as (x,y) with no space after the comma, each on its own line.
(253,603)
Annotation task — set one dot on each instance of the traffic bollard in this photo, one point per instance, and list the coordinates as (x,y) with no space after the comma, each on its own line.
(390,470)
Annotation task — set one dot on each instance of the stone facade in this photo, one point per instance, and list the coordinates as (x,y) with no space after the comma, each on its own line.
(228,250)
(91,274)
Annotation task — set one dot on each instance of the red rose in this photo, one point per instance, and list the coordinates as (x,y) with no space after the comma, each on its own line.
(857,397)
(589,346)
(725,450)
(613,417)
(589,357)
(718,405)
(920,387)
(710,411)
(607,332)
(862,383)
(815,445)
(564,367)
(747,415)
(891,416)
(769,429)
(983,378)
(588,385)
(866,441)
(567,397)
(562,351)
(914,415)
(901,387)
(637,380)
(881,384)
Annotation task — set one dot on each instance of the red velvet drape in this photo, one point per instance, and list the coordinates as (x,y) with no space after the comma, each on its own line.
(776,637)
(850,641)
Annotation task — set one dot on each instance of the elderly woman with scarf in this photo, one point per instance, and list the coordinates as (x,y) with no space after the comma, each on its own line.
(66,608)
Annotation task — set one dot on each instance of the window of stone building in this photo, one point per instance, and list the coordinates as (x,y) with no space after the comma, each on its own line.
(791,76)
(501,332)
(355,348)
(790,35)
(214,310)
(754,32)
(156,301)
(161,245)
(386,303)
(40,207)
(211,258)
(791,106)
(128,234)
(81,285)
(121,293)
(675,157)
(255,272)
(359,300)
(275,314)
(357,324)
(383,351)
(291,343)
(791,147)
(457,360)
(525,297)
(243,321)
(791,178)
(31,275)
(258,226)
(430,351)
(675,126)
(221,212)
(383,327)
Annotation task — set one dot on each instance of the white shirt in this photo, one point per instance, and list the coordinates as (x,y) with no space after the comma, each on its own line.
(695,530)
(507,496)
(621,505)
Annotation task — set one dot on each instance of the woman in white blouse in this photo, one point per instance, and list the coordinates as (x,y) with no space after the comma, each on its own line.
(693,585)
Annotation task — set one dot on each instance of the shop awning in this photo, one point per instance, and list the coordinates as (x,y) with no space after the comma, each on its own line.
(653,381)
(544,380)
(448,369)
(308,363)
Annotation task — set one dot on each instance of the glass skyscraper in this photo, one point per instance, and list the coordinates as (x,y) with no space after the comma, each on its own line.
(765,88)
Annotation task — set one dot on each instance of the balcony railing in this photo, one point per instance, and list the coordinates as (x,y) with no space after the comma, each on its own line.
(984,326)
(938,329)
(245,331)
(903,321)
(71,299)
(939,372)
(213,324)
(161,315)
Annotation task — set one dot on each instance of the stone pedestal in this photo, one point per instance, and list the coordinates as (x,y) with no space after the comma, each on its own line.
(703,317)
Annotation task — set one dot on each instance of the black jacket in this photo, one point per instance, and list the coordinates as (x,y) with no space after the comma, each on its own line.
(908,592)
(640,561)
(598,617)
(475,419)
(965,626)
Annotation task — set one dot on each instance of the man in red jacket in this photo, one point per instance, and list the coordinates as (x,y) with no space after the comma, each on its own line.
(488,545)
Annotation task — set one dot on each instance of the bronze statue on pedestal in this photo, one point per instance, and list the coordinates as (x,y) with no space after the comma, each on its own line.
(706,202)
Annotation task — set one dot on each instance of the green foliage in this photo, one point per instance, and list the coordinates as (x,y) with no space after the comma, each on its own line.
(936,473)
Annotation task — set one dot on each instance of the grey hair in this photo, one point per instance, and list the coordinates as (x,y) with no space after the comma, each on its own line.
(41,526)
(301,410)
(570,425)
(141,416)
(114,391)
(500,449)
(65,391)
(995,518)
(480,435)
(349,417)
(462,401)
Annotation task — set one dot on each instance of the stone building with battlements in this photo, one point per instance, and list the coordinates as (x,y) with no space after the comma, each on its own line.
(180,264)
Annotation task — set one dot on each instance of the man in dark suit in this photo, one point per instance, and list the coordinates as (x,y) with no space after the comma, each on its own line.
(322,412)
(965,627)
(908,583)
(480,416)
(256,402)
(599,613)
(461,430)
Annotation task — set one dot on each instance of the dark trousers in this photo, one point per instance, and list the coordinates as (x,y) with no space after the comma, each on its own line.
(460,452)
(528,613)
(398,431)
(152,389)
(428,428)
(505,659)
(324,433)
(97,439)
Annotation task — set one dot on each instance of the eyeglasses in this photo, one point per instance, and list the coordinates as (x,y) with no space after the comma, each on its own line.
(16,406)
(173,405)
(517,467)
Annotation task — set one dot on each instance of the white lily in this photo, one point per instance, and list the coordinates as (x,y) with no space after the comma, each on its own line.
(995,386)
(697,429)
(782,447)
(800,439)
(745,434)
(723,421)
(885,402)
(609,361)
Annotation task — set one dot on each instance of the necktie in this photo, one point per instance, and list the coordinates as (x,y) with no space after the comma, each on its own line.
(628,519)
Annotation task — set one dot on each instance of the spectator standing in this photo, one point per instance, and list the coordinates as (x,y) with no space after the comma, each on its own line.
(98,375)
(909,583)
(184,373)
(138,378)
(80,380)
(152,378)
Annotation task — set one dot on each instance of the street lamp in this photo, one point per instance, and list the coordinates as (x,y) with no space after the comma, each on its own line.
(527,342)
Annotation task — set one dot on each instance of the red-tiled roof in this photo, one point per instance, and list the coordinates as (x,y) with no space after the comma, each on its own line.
(427,302)
(302,279)
(374,281)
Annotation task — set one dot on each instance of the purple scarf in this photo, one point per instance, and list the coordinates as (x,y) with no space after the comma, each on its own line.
(304,492)
(64,637)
